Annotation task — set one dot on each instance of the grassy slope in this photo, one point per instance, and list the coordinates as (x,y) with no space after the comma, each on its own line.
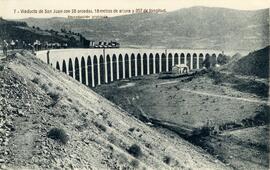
(98,130)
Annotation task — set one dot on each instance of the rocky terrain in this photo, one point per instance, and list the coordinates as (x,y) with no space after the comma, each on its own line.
(50,121)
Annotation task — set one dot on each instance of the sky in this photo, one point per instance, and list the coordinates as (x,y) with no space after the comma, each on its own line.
(8,7)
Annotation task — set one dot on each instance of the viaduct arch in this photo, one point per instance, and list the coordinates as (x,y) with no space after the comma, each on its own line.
(93,67)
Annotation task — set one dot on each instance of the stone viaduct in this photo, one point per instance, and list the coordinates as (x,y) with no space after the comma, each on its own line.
(99,66)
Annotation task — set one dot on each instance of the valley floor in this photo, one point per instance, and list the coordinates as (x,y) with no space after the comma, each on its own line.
(209,102)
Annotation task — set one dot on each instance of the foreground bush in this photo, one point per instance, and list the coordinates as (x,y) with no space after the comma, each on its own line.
(135,163)
(223,59)
(59,135)
(36,80)
(54,95)
(135,150)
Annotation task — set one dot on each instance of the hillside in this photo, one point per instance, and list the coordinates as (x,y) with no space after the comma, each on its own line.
(224,113)
(14,30)
(196,27)
(96,134)
(255,63)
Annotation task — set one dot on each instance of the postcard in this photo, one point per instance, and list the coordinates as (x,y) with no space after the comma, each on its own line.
(124,84)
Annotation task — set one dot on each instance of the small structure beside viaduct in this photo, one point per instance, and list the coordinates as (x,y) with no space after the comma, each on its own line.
(99,66)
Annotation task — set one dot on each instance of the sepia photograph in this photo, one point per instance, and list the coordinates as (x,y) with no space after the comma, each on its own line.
(124,84)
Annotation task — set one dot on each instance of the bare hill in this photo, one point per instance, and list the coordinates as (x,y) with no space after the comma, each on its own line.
(254,64)
(92,133)
(196,27)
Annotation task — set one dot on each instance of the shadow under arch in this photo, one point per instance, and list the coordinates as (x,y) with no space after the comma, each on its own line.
(176,59)
(102,69)
(108,60)
(182,58)
(213,60)
(151,63)
(144,64)
(200,60)
(170,63)
(77,69)
(157,63)
(96,74)
(89,70)
(126,66)
(189,60)
(83,72)
(121,69)
(57,66)
(70,68)
(139,64)
(132,65)
(207,61)
(114,67)
(64,66)
(194,63)
(163,62)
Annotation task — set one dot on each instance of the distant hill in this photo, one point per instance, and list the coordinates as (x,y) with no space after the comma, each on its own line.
(196,27)
(17,30)
(255,63)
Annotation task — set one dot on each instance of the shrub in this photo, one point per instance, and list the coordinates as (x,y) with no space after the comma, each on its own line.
(100,126)
(54,95)
(76,108)
(45,87)
(122,158)
(59,88)
(2,67)
(112,138)
(131,129)
(135,163)
(36,80)
(262,117)
(223,59)
(206,131)
(135,150)
(167,160)
(59,135)
(217,77)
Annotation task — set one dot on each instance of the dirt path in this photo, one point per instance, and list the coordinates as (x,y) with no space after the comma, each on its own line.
(168,82)
(262,80)
(227,97)
(126,85)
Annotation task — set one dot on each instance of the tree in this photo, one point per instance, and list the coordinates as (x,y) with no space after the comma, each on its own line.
(223,59)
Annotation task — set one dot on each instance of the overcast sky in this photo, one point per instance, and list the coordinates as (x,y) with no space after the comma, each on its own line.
(7,6)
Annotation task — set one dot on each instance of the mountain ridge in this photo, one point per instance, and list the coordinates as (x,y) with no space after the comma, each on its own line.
(195,27)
